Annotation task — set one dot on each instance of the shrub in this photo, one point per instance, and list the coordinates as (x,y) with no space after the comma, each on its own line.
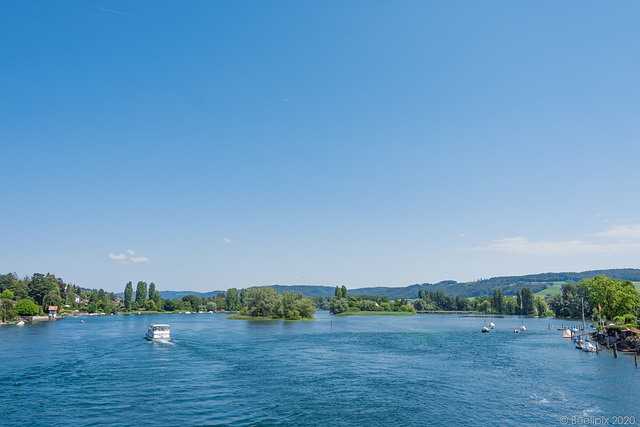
(618,320)
(26,307)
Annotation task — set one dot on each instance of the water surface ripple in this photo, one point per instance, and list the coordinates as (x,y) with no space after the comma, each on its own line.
(386,370)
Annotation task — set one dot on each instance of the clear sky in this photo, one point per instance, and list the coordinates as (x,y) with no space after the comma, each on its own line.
(212,144)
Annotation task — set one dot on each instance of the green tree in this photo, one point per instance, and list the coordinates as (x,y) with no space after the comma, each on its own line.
(509,306)
(20,288)
(7,281)
(26,307)
(484,306)
(69,293)
(541,306)
(243,297)
(152,290)
(518,302)
(262,301)
(497,302)
(151,305)
(92,307)
(193,302)
(170,305)
(616,297)
(338,292)
(344,292)
(288,305)
(40,285)
(7,294)
(211,306)
(141,294)
(232,300)
(128,293)
(305,307)
(7,312)
(52,298)
(220,301)
(527,301)
(339,305)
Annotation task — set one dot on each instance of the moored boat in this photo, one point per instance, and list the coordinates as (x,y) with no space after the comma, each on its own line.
(158,331)
(588,346)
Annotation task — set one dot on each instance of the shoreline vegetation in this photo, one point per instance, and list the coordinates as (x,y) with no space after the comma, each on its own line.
(266,319)
(376,313)
(42,297)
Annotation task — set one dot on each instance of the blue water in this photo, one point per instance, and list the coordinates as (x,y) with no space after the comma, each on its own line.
(382,370)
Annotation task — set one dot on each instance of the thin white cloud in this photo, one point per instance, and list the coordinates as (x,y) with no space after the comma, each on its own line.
(525,246)
(119,258)
(227,240)
(619,238)
(286,100)
(126,259)
(622,232)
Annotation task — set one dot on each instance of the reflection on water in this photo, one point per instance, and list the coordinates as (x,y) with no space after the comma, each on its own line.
(383,370)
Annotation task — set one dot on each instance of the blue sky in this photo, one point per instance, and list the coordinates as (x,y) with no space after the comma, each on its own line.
(209,145)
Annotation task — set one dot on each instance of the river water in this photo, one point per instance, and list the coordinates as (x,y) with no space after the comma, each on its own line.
(356,370)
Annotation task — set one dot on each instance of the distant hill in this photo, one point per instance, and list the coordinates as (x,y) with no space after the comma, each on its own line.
(508,284)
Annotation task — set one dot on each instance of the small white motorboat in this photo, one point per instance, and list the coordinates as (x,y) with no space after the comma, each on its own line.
(491,325)
(158,331)
(588,346)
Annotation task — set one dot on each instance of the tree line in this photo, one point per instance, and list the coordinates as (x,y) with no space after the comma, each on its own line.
(600,297)
(524,303)
(33,295)
(342,302)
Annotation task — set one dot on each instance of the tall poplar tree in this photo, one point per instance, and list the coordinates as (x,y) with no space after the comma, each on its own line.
(141,294)
(527,301)
(128,292)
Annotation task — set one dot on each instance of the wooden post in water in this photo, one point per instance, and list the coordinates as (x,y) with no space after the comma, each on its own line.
(332,324)
(635,357)
(615,349)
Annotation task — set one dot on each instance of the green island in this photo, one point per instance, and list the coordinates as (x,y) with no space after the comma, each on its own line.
(265,303)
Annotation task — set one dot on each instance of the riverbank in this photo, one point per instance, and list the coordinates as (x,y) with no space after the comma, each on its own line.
(263,319)
(375,313)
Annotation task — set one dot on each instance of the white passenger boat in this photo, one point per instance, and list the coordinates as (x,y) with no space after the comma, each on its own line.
(158,331)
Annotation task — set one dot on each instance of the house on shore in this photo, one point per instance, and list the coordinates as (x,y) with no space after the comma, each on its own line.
(53,311)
